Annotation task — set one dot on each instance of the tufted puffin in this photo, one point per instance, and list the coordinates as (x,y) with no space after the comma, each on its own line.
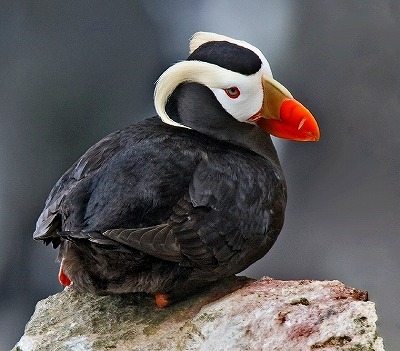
(195,194)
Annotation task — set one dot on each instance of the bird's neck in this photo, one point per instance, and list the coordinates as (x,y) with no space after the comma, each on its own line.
(250,137)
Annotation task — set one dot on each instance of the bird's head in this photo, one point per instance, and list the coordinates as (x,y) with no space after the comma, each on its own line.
(227,78)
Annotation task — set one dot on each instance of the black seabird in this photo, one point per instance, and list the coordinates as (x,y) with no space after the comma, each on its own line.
(167,205)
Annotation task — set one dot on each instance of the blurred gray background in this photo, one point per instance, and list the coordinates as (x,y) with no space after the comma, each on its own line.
(71,72)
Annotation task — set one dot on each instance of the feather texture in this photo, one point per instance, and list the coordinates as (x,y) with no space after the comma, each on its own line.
(208,209)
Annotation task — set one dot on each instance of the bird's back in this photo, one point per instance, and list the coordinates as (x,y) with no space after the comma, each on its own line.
(164,198)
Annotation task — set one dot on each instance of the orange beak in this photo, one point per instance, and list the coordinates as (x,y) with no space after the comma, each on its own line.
(283,116)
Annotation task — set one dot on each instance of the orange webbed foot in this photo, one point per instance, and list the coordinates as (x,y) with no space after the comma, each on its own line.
(63,278)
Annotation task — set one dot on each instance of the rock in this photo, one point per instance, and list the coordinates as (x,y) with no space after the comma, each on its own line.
(234,314)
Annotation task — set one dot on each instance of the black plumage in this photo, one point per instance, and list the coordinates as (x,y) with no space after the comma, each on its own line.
(221,52)
(163,209)
(158,208)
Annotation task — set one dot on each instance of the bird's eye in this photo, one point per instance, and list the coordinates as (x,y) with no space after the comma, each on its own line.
(232,92)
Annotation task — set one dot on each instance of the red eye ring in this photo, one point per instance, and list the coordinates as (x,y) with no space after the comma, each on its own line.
(232,92)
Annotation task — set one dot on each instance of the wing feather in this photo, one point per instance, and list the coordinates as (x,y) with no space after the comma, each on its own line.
(209,225)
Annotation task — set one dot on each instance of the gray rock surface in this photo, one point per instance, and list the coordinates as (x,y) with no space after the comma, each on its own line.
(234,314)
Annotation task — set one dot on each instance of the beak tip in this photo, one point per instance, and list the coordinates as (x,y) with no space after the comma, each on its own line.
(293,113)
(314,134)
(315,137)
